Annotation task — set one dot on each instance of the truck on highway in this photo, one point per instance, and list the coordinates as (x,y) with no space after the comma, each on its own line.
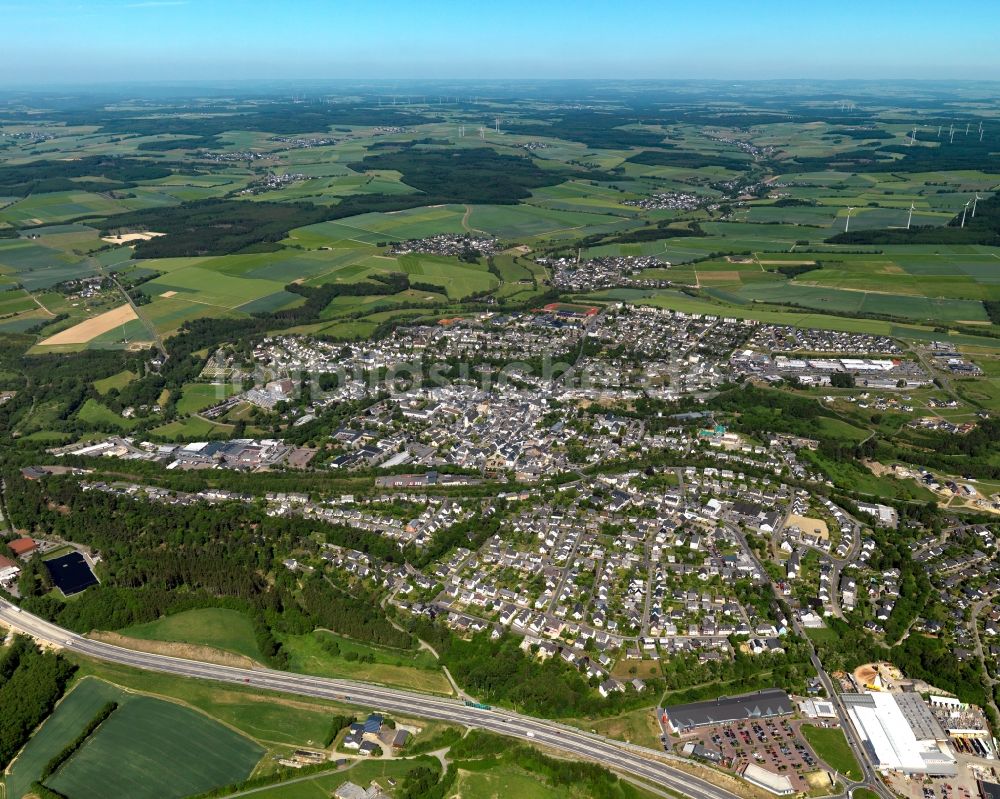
(478,705)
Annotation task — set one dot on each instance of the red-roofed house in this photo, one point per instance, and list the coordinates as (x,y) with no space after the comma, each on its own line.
(22,546)
(8,570)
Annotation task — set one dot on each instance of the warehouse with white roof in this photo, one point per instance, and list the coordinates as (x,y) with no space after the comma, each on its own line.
(891,739)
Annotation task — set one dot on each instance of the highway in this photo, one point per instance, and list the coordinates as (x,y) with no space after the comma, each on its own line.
(626,758)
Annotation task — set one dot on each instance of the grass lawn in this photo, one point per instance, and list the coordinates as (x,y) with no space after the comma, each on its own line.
(94,413)
(190,429)
(855,477)
(196,397)
(503,781)
(490,779)
(415,671)
(137,751)
(831,747)
(118,381)
(638,727)
(216,627)
(835,428)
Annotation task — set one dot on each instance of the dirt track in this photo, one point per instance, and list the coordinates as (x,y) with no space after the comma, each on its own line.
(191,651)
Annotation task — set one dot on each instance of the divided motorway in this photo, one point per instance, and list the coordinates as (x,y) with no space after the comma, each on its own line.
(629,759)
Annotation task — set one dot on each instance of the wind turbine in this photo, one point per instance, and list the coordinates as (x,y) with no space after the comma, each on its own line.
(847,224)
(976,200)
(967,124)
(910,217)
(964,212)
(913,136)
(498,123)
(939,132)
(951,134)
(980,131)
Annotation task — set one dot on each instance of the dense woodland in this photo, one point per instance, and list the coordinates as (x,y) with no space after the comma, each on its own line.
(688,160)
(480,175)
(107,173)
(31,682)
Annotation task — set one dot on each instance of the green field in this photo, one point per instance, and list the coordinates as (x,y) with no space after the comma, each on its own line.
(59,207)
(417,671)
(196,397)
(831,747)
(73,713)
(215,627)
(835,428)
(137,751)
(94,413)
(118,381)
(268,716)
(156,749)
(192,428)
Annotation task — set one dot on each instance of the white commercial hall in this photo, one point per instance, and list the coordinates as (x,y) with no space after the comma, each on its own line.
(891,740)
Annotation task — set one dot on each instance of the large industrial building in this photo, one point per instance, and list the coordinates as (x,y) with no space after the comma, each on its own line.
(900,733)
(727,709)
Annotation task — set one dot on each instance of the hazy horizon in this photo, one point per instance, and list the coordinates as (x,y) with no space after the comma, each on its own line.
(63,43)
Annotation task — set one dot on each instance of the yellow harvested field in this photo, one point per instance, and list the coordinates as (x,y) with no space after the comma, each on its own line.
(92,328)
(721,276)
(125,238)
(787,263)
(169,294)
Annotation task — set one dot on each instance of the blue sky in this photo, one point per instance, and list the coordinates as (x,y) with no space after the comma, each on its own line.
(60,41)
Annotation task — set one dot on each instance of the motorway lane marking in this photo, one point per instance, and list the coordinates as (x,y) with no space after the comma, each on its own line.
(603,751)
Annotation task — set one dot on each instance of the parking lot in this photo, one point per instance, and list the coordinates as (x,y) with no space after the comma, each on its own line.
(962,786)
(775,744)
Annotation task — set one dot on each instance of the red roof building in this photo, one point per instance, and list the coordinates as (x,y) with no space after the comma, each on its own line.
(22,546)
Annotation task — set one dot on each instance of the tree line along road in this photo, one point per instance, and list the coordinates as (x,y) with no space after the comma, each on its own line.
(630,759)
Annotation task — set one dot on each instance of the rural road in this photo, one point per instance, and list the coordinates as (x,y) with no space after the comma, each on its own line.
(627,758)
